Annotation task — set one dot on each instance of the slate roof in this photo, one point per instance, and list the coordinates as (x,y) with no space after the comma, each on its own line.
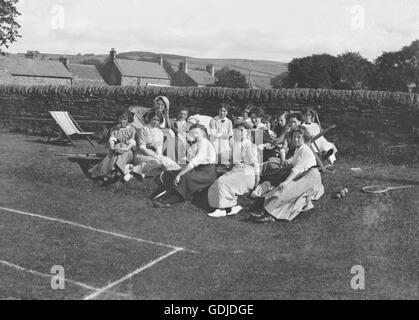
(86,75)
(34,68)
(141,69)
(201,77)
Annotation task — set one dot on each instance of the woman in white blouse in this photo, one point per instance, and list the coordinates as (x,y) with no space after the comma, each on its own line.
(221,130)
(197,176)
(244,176)
(148,159)
(300,183)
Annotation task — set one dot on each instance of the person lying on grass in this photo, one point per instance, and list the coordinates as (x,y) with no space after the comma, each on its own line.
(148,159)
(121,143)
(197,176)
(243,178)
(296,185)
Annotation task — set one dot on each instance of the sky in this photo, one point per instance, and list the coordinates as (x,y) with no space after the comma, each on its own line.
(275,30)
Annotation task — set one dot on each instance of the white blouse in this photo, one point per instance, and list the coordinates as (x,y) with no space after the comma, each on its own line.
(224,128)
(303,160)
(201,153)
(312,128)
(245,152)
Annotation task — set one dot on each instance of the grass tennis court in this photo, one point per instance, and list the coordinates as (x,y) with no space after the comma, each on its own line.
(114,245)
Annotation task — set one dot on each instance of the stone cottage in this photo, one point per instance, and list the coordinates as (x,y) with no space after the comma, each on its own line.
(124,72)
(186,77)
(33,71)
(84,75)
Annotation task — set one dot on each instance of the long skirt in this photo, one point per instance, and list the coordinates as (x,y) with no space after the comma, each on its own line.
(223,150)
(298,196)
(181,148)
(169,144)
(152,167)
(111,162)
(195,181)
(225,191)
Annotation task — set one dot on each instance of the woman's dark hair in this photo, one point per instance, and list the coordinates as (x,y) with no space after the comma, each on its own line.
(257,111)
(154,113)
(309,111)
(296,115)
(304,132)
(199,126)
(183,109)
(123,115)
(224,106)
(283,114)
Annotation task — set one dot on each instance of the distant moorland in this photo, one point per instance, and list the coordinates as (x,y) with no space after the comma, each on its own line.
(261,71)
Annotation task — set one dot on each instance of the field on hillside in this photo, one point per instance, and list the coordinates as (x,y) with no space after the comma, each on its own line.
(113,244)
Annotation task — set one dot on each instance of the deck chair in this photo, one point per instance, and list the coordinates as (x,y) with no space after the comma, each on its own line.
(139,113)
(69,127)
(321,162)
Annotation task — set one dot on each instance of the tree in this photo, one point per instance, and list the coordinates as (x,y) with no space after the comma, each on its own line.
(395,70)
(229,78)
(316,71)
(354,71)
(280,80)
(9,28)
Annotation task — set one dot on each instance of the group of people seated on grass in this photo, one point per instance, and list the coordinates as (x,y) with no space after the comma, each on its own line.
(266,157)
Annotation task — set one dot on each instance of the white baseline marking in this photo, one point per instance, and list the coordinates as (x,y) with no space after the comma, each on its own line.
(132,274)
(45,275)
(74,224)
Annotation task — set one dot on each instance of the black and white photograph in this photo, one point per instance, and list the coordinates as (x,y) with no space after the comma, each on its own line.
(226,152)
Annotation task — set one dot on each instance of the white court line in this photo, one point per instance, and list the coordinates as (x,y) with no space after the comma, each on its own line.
(46,275)
(74,224)
(132,274)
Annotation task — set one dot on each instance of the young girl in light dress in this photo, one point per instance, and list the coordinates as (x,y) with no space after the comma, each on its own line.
(120,144)
(221,131)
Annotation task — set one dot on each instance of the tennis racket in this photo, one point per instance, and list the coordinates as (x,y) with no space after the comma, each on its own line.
(82,155)
(381,189)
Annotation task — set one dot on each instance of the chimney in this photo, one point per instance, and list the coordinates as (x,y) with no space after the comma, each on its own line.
(112,54)
(31,54)
(160,60)
(65,61)
(183,66)
(211,70)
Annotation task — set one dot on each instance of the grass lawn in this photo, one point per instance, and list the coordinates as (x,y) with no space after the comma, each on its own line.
(114,245)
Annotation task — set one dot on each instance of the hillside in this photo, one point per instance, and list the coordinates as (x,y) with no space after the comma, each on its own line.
(261,71)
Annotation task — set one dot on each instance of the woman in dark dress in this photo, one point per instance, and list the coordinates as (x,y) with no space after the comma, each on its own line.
(197,176)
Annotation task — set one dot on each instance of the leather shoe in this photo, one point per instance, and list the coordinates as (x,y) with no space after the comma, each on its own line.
(267,218)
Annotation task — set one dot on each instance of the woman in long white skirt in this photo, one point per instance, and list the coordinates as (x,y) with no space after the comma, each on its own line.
(302,185)
(244,176)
